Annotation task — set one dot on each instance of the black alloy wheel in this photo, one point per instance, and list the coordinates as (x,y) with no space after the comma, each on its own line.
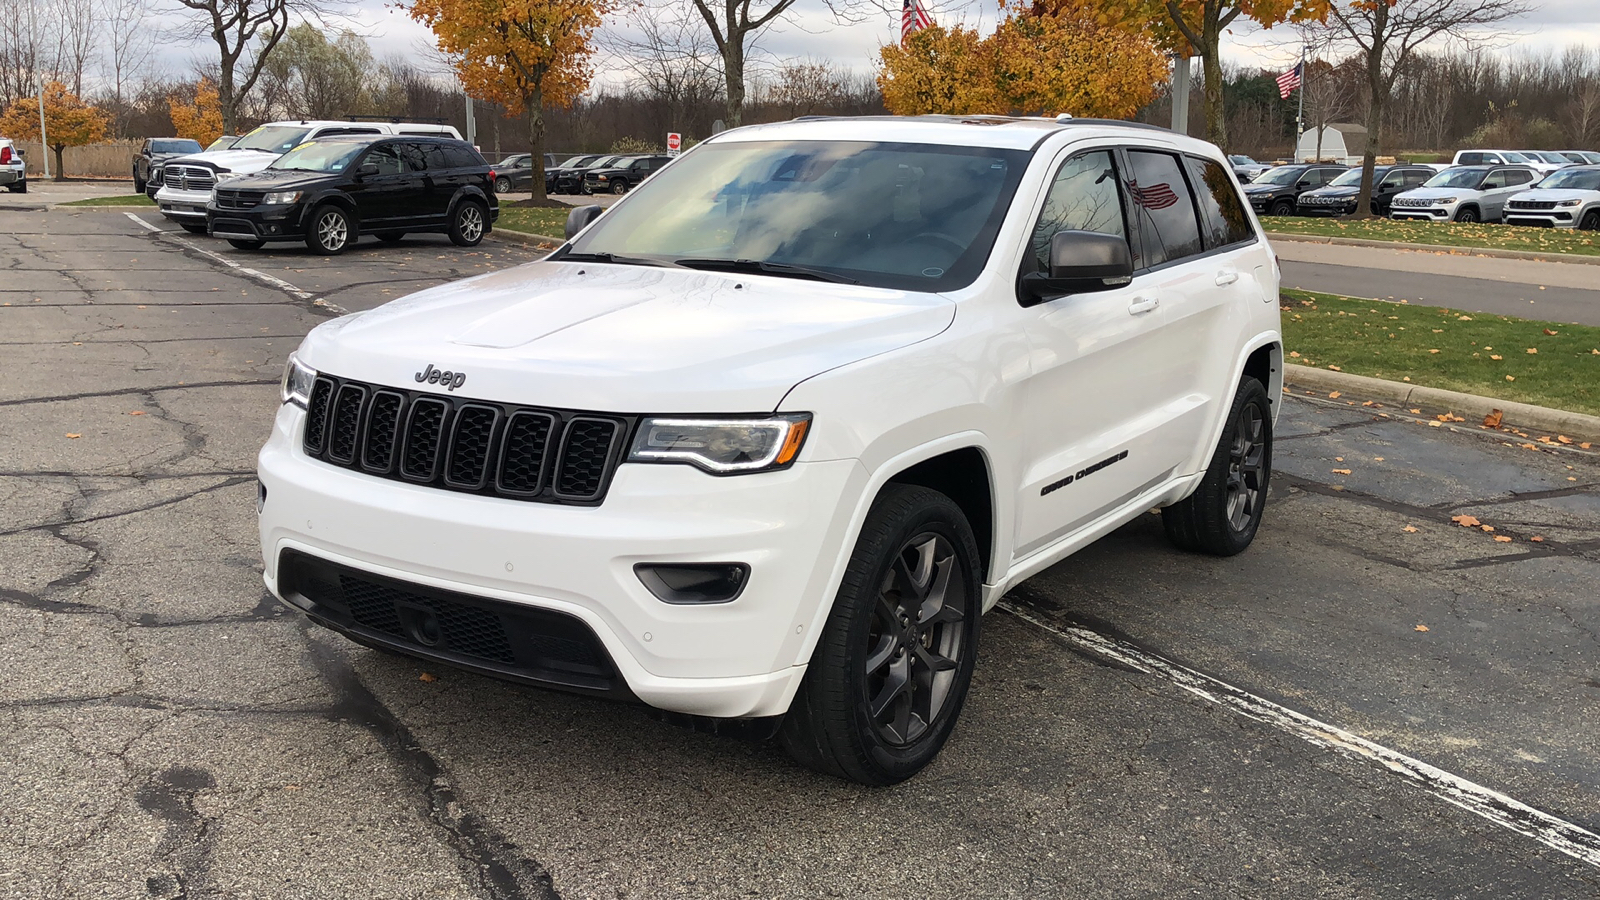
(331,231)
(1283,208)
(892,667)
(1467,214)
(468,224)
(1223,514)
(1591,220)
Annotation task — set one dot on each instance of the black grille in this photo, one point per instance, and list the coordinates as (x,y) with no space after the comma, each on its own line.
(544,455)
(1533,204)
(227,199)
(508,639)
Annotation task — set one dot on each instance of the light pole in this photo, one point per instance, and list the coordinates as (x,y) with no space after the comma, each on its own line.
(38,80)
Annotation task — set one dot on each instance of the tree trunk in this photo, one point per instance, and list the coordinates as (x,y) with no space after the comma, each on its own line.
(61,171)
(733,69)
(533,102)
(225,98)
(1211,65)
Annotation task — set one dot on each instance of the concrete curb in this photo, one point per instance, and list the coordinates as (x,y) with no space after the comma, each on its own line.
(1522,415)
(522,237)
(1573,258)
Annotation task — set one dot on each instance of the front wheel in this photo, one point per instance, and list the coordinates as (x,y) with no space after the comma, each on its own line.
(1467,214)
(1591,221)
(138,185)
(1283,208)
(241,244)
(331,231)
(468,224)
(1222,515)
(619,187)
(892,666)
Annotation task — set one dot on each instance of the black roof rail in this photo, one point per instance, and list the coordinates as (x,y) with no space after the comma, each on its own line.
(396,120)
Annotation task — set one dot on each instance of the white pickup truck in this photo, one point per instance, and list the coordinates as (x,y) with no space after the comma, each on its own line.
(13,171)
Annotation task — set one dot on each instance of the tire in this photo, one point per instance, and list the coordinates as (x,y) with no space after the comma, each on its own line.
(1467,214)
(916,551)
(20,187)
(240,244)
(1282,208)
(194,227)
(1222,515)
(330,230)
(619,187)
(468,224)
(138,186)
(502,185)
(392,237)
(1591,220)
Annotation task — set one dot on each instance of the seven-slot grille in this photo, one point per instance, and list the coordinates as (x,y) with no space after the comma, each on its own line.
(227,199)
(544,455)
(189,178)
(1533,204)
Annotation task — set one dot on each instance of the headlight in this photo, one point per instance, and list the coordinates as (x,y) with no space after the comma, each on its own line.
(722,446)
(600,178)
(297,381)
(223,177)
(1570,203)
(1446,201)
(284,198)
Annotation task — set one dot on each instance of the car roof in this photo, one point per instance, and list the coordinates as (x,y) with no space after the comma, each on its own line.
(997,132)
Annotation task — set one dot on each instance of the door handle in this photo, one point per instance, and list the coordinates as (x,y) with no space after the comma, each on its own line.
(1227,277)
(1142,305)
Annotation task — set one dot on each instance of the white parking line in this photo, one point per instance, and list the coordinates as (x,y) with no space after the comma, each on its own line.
(264,278)
(1573,840)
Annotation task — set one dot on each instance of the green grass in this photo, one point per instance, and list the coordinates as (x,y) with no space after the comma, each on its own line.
(1453,234)
(1475,353)
(534,220)
(129,200)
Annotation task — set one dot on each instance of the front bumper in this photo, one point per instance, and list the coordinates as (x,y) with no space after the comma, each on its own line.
(176,204)
(1423,213)
(283,222)
(1325,209)
(1543,218)
(743,658)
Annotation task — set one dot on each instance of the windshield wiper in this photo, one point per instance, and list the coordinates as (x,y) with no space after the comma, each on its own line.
(569,256)
(765,268)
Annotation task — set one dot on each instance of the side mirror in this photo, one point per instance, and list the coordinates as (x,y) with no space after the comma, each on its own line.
(367,169)
(1303,184)
(1081,262)
(579,219)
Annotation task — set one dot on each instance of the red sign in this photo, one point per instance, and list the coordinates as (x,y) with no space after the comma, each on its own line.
(674,142)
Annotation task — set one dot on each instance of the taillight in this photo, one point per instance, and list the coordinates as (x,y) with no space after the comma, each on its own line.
(491,176)
(5,155)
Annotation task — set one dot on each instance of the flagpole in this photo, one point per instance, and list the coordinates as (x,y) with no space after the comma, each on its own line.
(1300,115)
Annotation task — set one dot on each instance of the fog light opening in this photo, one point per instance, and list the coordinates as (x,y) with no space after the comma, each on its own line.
(694,583)
(261,497)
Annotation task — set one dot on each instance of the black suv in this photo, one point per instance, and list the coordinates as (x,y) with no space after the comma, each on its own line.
(552,175)
(1339,197)
(570,180)
(1275,191)
(329,191)
(622,174)
(155,151)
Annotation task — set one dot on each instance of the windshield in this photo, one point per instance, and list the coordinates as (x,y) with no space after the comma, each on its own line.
(175,146)
(1352,178)
(1241,160)
(316,156)
(913,216)
(1573,180)
(223,143)
(601,162)
(1457,178)
(273,138)
(1285,175)
(575,162)
(1513,156)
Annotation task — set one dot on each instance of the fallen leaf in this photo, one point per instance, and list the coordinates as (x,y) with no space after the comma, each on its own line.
(1421,628)
(1415,411)
(1584,445)
(1511,378)
(1563,439)
(1436,424)
(1410,529)
(1533,349)
(1496,356)
(1336,368)
(1341,471)
(136,412)
(1333,396)
(74,436)
(1433,351)
(427,676)
(1377,459)
(1492,420)
(1294,354)
(1486,528)
(1538,539)
(1466,521)
(1502,539)
(1548,331)
(1463,318)
(1529,446)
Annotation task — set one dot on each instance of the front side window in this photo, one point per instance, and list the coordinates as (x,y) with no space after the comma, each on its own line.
(1168,228)
(1083,197)
(384,157)
(910,216)
(1223,220)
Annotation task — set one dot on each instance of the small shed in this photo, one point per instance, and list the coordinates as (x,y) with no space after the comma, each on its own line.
(1341,142)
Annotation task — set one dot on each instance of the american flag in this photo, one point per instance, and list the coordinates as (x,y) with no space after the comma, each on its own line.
(913,18)
(1160,196)
(1290,80)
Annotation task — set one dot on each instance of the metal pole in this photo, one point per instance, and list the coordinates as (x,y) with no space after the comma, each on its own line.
(1300,116)
(1180,95)
(38,80)
(472,122)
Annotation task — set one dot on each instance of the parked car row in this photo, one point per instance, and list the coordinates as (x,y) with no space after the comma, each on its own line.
(327,183)
(602,173)
(13,171)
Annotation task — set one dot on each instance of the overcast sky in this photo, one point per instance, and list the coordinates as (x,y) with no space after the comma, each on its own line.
(813,35)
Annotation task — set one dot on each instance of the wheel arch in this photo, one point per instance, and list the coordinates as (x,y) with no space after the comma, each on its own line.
(963,475)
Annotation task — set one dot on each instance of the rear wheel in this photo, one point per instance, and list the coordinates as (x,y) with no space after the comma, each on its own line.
(1222,515)
(468,224)
(240,244)
(194,227)
(893,663)
(20,187)
(1467,214)
(1283,208)
(502,185)
(1591,221)
(331,231)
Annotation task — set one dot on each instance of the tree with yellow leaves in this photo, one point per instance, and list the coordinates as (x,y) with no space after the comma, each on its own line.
(200,119)
(525,54)
(1040,60)
(69,122)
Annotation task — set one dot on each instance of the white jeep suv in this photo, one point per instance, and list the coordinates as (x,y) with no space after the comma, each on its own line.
(1568,199)
(764,440)
(1463,194)
(182,186)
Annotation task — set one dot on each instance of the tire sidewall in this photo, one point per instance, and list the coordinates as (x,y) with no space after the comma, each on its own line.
(313,235)
(1467,214)
(1282,208)
(1250,391)
(456,235)
(1590,221)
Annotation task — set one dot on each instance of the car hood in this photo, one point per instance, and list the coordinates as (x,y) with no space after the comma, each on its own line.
(1435,193)
(229,160)
(1343,190)
(630,339)
(1556,195)
(1258,188)
(280,180)
(606,171)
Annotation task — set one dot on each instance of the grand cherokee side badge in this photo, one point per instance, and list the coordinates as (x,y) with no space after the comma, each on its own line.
(446,379)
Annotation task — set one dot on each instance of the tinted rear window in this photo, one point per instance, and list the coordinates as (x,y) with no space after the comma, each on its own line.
(462,156)
(1223,220)
(1165,208)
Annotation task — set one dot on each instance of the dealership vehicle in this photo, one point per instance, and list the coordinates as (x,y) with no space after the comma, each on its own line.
(153,152)
(186,182)
(1339,197)
(327,192)
(1246,168)
(222,143)
(1463,194)
(622,175)
(1276,192)
(1568,199)
(13,171)
(514,173)
(766,438)
(1548,158)
(1582,157)
(552,174)
(569,180)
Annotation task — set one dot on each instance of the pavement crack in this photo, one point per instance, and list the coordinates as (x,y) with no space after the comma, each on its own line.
(169,501)
(124,392)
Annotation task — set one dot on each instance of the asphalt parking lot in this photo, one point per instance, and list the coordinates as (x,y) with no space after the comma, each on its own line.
(1372,702)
